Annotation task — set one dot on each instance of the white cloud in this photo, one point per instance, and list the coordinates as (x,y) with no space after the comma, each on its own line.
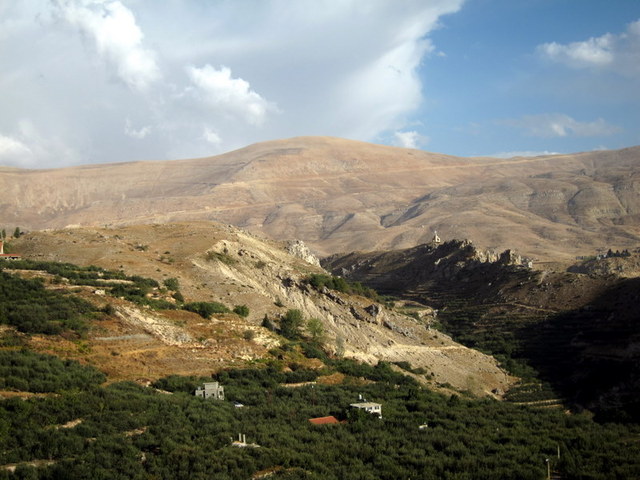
(117,37)
(13,151)
(214,76)
(597,52)
(139,133)
(232,96)
(410,139)
(27,147)
(521,153)
(620,53)
(560,125)
(211,136)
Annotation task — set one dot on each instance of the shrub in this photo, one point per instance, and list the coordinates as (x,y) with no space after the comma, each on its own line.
(268,324)
(248,335)
(109,309)
(178,297)
(241,310)
(221,257)
(205,309)
(172,284)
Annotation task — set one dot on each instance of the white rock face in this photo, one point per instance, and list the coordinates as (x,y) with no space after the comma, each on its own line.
(297,248)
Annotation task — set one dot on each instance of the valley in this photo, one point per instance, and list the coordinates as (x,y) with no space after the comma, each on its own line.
(489,302)
(577,332)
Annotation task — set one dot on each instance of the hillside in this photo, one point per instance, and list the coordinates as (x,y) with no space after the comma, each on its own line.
(576,331)
(219,263)
(339,196)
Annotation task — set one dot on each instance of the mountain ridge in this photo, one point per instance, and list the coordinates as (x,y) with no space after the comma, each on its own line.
(342,195)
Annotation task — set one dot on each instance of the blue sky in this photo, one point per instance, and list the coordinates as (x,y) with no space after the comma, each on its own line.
(92,81)
(495,82)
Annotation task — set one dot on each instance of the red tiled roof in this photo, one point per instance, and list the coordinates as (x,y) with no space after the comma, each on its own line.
(324,420)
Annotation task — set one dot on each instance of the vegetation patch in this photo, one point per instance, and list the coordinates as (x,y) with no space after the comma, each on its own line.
(423,434)
(220,257)
(339,284)
(29,307)
(34,372)
(206,309)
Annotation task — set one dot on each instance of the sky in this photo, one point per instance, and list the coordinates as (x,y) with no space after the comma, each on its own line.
(97,81)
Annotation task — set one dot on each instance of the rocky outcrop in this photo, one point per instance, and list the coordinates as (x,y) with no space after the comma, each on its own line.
(297,248)
(457,261)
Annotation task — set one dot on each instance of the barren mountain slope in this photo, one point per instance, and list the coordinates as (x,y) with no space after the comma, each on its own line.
(341,195)
(221,263)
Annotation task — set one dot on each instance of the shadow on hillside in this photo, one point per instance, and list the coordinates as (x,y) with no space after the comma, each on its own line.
(592,355)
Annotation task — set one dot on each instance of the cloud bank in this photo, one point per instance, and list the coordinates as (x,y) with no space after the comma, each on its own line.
(613,52)
(117,38)
(560,125)
(107,80)
(217,89)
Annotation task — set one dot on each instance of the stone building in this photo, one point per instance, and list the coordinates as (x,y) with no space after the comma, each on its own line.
(210,390)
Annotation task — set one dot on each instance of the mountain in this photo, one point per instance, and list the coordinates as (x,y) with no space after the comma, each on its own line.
(213,262)
(339,195)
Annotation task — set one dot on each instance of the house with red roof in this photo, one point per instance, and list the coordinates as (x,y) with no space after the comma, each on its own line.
(7,256)
(324,420)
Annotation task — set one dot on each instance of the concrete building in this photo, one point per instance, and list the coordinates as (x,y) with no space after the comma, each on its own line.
(210,390)
(369,407)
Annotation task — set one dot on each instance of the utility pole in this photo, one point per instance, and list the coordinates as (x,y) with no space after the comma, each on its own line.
(548,468)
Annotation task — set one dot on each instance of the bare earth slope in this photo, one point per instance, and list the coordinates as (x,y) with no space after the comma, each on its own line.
(340,195)
(224,264)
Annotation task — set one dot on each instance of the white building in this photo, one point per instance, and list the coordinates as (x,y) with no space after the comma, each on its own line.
(369,407)
(211,390)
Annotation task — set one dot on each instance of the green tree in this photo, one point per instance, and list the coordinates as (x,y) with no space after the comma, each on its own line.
(340,346)
(291,323)
(4,234)
(241,310)
(17,232)
(316,329)
(172,284)
(268,324)
(178,297)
